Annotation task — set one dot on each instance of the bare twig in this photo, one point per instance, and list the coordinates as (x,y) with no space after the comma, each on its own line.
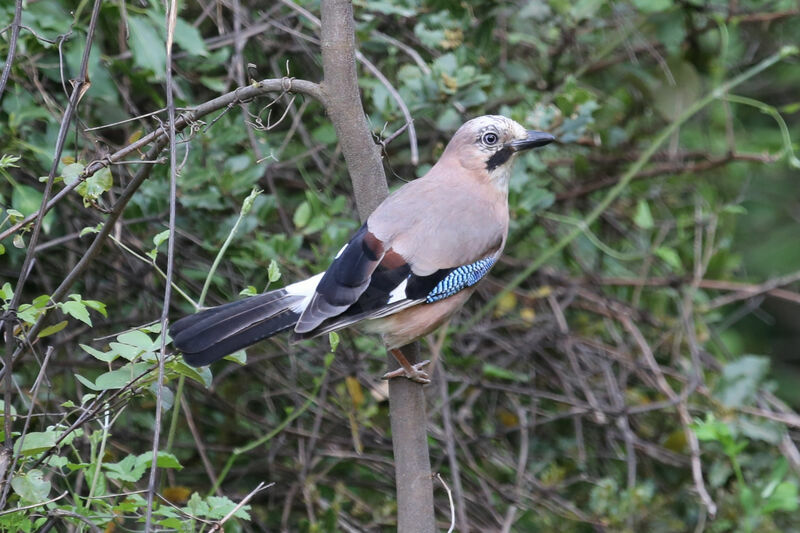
(34,505)
(683,411)
(81,84)
(450,499)
(186,119)
(172,16)
(12,47)
(261,486)
(450,444)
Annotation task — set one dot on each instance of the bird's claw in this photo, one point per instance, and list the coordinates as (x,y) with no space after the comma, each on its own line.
(413,372)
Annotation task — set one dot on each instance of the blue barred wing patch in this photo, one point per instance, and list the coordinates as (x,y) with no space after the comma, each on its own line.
(460,278)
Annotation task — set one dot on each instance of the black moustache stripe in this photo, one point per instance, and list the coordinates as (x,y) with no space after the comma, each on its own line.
(499,158)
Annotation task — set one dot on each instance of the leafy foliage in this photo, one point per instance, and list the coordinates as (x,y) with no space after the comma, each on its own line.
(578,400)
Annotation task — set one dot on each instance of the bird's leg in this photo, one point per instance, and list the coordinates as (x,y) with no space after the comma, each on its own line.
(407,370)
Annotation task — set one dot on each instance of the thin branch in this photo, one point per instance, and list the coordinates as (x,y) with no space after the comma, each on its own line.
(186,119)
(668,168)
(450,499)
(79,88)
(172,17)
(34,505)
(261,486)
(12,47)
(683,412)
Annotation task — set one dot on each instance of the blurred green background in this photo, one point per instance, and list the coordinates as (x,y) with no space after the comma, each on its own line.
(558,417)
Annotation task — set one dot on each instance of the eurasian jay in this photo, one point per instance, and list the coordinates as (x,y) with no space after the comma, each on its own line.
(412,265)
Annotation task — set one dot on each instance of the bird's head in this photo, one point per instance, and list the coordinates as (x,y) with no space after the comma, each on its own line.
(489,144)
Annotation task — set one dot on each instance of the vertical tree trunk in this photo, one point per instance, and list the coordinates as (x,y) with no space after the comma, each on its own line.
(406,400)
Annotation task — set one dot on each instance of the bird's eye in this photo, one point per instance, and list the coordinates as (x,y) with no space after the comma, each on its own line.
(490,138)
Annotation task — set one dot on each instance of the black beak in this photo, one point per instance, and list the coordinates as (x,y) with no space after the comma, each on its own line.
(535,139)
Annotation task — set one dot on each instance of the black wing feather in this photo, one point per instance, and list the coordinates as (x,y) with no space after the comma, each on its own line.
(344,282)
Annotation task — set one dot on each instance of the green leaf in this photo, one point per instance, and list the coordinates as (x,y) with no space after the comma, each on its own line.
(248,291)
(273,272)
(167,396)
(36,442)
(493,371)
(783,498)
(734,209)
(137,338)
(196,506)
(71,173)
(126,351)
(29,313)
(220,506)
(91,229)
(748,499)
(41,301)
(685,89)
(94,186)
(643,217)
(147,46)
(741,379)
(161,237)
(9,161)
(55,328)
(333,339)
(213,83)
(669,256)
(87,382)
(712,429)
(239,357)
(171,523)
(77,310)
(765,430)
(188,37)
(98,306)
(25,199)
(6,291)
(164,460)
(302,215)
(31,486)
(116,379)
(56,461)
(88,397)
(106,357)
(201,375)
(129,469)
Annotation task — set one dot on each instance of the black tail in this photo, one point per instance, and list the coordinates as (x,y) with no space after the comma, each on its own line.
(214,333)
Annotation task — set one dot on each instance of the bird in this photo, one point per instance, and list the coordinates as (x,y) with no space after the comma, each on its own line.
(405,272)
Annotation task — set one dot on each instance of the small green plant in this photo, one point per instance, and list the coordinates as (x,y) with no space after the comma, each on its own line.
(758,498)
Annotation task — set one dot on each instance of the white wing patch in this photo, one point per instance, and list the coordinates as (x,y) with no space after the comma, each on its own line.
(306,289)
(399,293)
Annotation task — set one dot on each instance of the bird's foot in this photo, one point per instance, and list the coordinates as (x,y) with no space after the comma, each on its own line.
(413,372)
